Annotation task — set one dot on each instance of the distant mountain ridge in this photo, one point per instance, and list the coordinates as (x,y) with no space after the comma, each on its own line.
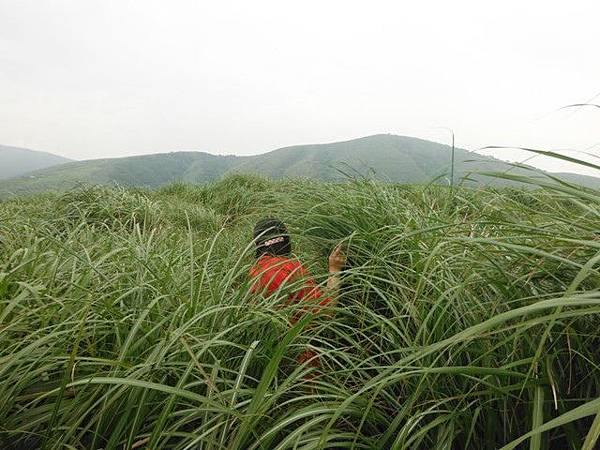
(17,161)
(392,158)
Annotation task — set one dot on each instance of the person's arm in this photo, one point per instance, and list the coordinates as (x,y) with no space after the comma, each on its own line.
(311,293)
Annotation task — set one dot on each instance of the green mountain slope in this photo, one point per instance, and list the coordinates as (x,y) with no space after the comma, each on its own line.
(400,159)
(15,161)
(388,157)
(392,158)
(146,170)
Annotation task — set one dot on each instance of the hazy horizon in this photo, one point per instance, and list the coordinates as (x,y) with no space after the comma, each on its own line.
(497,155)
(91,79)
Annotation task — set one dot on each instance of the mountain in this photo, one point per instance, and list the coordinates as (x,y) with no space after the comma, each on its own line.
(146,170)
(399,159)
(15,161)
(387,157)
(391,158)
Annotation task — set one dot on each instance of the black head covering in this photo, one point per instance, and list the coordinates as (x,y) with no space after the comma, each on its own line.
(271,237)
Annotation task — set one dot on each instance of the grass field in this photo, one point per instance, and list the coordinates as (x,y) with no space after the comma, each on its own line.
(466,319)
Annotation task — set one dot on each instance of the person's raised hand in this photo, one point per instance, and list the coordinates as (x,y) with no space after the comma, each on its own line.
(337,259)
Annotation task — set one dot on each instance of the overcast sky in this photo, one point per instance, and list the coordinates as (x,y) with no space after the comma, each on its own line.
(90,79)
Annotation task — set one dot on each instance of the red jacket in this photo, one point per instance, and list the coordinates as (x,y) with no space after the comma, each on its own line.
(272,272)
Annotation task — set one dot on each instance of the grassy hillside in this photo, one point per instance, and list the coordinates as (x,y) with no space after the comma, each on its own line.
(391,158)
(384,157)
(144,171)
(465,320)
(15,161)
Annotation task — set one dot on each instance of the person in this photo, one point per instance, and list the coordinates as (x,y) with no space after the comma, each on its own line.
(275,267)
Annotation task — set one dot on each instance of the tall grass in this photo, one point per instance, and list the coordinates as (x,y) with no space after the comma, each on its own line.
(463,321)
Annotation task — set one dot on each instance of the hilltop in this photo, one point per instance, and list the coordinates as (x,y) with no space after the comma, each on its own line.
(16,161)
(399,159)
